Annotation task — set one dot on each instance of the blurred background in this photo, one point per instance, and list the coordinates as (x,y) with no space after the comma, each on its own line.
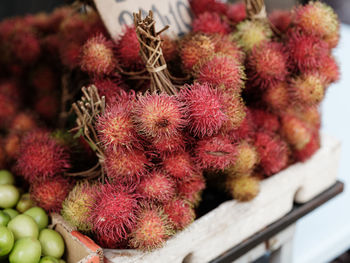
(324,234)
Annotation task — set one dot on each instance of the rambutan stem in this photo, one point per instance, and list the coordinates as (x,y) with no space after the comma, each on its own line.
(255,9)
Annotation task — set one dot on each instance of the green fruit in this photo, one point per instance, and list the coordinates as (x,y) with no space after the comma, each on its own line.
(6,177)
(61,261)
(52,243)
(39,215)
(4,218)
(49,259)
(26,250)
(11,212)
(24,203)
(6,240)
(23,226)
(9,196)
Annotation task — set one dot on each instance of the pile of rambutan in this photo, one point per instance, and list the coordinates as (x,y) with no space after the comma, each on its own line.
(246,107)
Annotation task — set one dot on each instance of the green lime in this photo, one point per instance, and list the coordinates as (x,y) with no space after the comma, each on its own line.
(4,218)
(23,226)
(6,177)
(52,243)
(48,259)
(39,215)
(24,203)
(11,212)
(9,196)
(26,250)
(6,240)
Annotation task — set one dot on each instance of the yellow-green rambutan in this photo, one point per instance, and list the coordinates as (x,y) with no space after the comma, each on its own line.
(243,188)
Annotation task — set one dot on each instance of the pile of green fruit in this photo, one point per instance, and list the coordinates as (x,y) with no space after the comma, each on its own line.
(24,236)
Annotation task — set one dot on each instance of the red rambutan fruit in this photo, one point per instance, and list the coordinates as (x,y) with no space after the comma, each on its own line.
(49,193)
(125,166)
(180,213)
(41,157)
(12,144)
(245,131)
(204,109)
(243,188)
(169,144)
(310,116)
(10,89)
(97,56)
(3,156)
(306,51)
(250,33)
(309,149)
(110,89)
(318,19)
(157,187)
(215,152)
(195,48)
(308,89)
(169,48)
(70,54)
(246,160)
(23,122)
(223,45)
(273,152)
(236,12)
(267,64)
(190,188)
(281,19)
(47,106)
(276,97)
(113,214)
(115,127)
(221,69)
(25,46)
(158,116)
(210,23)
(128,49)
(179,164)
(8,109)
(329,70)
(264,120)
(235,109)
(201,6)
(151,230)
(44,79)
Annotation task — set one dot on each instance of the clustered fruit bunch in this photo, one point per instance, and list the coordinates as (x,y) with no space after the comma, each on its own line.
(247,108)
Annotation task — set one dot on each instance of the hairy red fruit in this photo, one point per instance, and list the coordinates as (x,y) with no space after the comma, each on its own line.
(44,79)
(273,152)
(8,109)
(190,188)
(276,97)
(41,157)
(26,47)
(23,122)
(158,116)
(306,51)
(204,109)
(210,23)
(70,54)
(236,12)
(49,193)
(169,48)
(243,188)
(215,152)
(151,230)
(9,88)
(157,187)
(309,149)
(179,164)
(281,19)
(171,144)
(128,49)
(110,89)
(246,160)
(180,213)
(235,109)
(267,64)
(224,45)
(12,144)
(194,48)
(264,120)
(47,106)
(329,70)
(310,116)
(114,213)
(245,131)
(201,6)
(97,56)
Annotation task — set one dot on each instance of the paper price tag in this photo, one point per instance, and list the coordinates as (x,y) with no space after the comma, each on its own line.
(117,13)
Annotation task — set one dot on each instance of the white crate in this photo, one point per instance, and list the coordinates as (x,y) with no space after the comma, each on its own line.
(232,222)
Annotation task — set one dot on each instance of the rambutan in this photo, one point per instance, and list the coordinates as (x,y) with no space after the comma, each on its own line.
(221,69)
(125,166)
(12,144)
(245,131)
(215,152)
(329,70)
(204,108)
(318,19)
(190,188)
(158,116)
(10,89)
(151,230)
(110,89)
(236,12)
(169,144)
(8,109)
(210,23)
(308,89)
(180,213)
(47,106)
(157,187)
(115,127)
(295,131)
(276,97)
(267,64)
(113,214)
(273,152)
(169,48)
(264,120)
(310,116)
(306,51)
(97,56)
(223,45)
(309,149)
(23,122)
(243,188)
(251,33)
(49,193)
(44,79)
(25,46)
(179,164)
(128,49)
(246,160)
(201,6)
(70,54)
(235,109)
(281,19)
(195,48)
(41,157)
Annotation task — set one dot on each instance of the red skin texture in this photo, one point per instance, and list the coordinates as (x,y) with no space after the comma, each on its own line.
(201,6)
(309,149)
(222,70)
(110,89)
(224,45)
(157,187)
(179,164)
(47,106)
(273,152)
(97,56)
(265,121)
(215,152)
(190,188)
(114,212)
(12,145)
(245,131)
(26,47)
(49,193)
(23,122)
(210,23)
(8,109)
(171,144)
(9,88)
(70,54)
(41,157)
(204,109)
(281,19)
(44,79)
(276,97)
(128,49)
(169,48)
(329,70)
(236,12)
(180,213)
